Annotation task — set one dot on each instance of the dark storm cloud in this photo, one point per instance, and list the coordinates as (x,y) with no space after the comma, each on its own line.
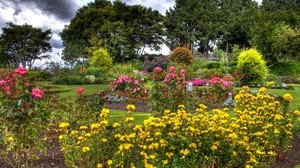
(56,43)
(61,9)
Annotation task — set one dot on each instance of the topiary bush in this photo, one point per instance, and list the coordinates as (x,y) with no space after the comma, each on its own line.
(101,58)
(251,68)
(182,56)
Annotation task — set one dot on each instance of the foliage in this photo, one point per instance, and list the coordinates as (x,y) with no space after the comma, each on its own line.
(101,59)
(158,61)
(220,86)
(182,56)
(170,92)
(123,29)
(130,87)
(251,67)
(23,118)
(260,131)
(285,68)
(23,44)
(70,80)
(39,75)
(96,72)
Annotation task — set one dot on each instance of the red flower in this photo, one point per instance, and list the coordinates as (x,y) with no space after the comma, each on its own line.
(158,70)
(21,71)
(79,90)
(182,72)
(37,93)
(172,69)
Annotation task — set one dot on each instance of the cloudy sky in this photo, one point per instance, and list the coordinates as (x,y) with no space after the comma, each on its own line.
(54,14)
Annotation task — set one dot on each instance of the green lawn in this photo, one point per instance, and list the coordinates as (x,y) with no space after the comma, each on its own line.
(69,91)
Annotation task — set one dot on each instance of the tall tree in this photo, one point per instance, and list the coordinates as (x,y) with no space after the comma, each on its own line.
(234,21)
(123,30)
(23,44)
(275,32)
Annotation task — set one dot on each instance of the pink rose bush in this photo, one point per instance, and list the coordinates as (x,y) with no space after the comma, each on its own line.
(23,113)
(219,85)
(129,86)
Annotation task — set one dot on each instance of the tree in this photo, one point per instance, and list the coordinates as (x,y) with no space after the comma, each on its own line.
(23,45)
(275,33)
(123,30)
(201,22)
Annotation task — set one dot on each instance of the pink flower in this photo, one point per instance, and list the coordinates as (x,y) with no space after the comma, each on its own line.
(7,88)
(2,82)
(37,93)
(79,90)
(172,69)
(136,82)
(182,72)
(21,71)
(158,70)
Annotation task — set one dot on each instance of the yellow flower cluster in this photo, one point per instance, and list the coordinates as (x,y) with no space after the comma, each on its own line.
(249,135)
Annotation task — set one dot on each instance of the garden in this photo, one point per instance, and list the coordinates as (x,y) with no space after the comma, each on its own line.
(169,111)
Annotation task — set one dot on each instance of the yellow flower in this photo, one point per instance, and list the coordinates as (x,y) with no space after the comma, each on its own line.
(99,165)
(248,166)
(169,154)
(276,131)
(88,135)
(130,107)
(181,106)
(115,125)
(95,126)
(125,146)
(129,119)
(103,140)
(80,138)
(104,113)
(147,165)
(11,139)
(61,137)
(185,152)
(287,97)
(109,162)
(278,117)
(297,113)
(214,147)
(74,132)
(165,162)
(64,125)
(233,136)
(85,149)
(83,127)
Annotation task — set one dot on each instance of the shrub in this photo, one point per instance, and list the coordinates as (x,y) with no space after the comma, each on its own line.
(182,56)
(39,75)
(70,80)
(24,117)
(159,61)
(101,58)
(213,65)
(251,67)
(285,68)
(170,92)
(95,71)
